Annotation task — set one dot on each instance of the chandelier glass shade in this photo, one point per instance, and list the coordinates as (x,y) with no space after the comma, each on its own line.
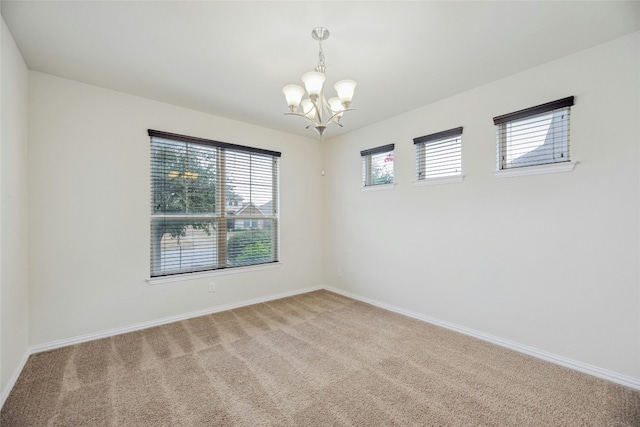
(315,108)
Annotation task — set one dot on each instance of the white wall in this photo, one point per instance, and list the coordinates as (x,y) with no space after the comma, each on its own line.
(89,211)
(547,261)
(13,212)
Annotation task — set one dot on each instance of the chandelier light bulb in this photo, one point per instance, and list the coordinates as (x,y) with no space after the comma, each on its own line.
(313,81)
(345,89)
(294,94)
(307,109)
(336,107)
(335,104)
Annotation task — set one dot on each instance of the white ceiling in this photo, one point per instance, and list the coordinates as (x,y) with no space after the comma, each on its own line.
(232,58)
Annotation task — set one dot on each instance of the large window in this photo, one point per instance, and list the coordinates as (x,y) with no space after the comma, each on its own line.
(534,136)
(439,155)
(377,165)
(213,205)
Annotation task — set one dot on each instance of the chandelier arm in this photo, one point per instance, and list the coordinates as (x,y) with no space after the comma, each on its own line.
(318,123)
(313,122)
(318,110)
(339,112)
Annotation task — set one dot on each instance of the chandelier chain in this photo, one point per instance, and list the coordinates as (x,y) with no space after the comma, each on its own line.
(321,67)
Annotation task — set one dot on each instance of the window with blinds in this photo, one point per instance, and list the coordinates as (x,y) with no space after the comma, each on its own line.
(439,155)
(534,136)
(214,205)
(377,165)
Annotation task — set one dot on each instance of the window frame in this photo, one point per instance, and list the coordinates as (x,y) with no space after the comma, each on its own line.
(421,177)
(367,166)
(219,216)
(503,121)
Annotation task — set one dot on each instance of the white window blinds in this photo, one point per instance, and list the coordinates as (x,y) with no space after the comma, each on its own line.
(213,205)
(439,154)
(377,165)
(534,136)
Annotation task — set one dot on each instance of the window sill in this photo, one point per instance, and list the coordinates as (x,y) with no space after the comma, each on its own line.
(439,181)
(211,273)
(379,187)
(535,170)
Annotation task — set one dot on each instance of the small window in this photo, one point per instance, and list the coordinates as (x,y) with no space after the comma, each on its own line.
(439,155)
(534,136)
(377,165)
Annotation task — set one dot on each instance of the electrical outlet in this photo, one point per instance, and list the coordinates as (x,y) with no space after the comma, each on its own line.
(212,286)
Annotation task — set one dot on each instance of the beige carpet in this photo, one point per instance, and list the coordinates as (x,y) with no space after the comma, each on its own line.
(317,359)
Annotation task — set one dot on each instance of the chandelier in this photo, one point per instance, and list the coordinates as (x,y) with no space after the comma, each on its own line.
(319,112)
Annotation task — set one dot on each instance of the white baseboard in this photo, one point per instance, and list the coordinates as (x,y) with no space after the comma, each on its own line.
(117,331)
(531,351)
(13,379)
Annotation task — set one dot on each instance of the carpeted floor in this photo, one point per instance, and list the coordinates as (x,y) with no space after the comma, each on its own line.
(317,359)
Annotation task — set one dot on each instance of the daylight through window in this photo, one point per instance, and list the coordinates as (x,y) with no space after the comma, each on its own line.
(439,155)
(213,205)
(377,165)
(535,136)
